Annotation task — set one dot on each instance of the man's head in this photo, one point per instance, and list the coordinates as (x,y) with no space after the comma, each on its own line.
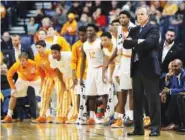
(6,36)
(23,58)
(143,14)
(177,66)
(115,23)
(91,30)
(16,40)
(170,36)
(4,69)
(40,45)
(71,17)
(106,39)
(51,31)
(82,33)
(42,34)
(46,22)
(124,18)
(55,51)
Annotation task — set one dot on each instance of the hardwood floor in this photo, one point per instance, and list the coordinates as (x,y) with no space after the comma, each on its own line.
(30,131)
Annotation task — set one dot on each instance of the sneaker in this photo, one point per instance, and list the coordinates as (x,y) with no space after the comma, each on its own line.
(147,122)
(128,122)
(90,121)
(72,119)
(108,121)
(118,123)
(39,120)
(7,119)
(59,120)
(49,119)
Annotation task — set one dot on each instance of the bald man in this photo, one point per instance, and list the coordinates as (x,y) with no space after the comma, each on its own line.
(175,87)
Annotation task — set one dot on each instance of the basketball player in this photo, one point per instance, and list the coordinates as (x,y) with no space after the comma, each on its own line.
(48,81)
(60,61)
(27,76)
(94,86)
(125,80)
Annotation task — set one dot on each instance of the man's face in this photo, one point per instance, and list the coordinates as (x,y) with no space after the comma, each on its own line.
(15,41)
(40,49)
(42,35)
(51,32)
(142,16)
(23,62)
(170,37)
(115,24)
(105,41)
(176,67)
(123,19)
(6,36)
(82,36)
(91,32)
(4,69)
(55,54)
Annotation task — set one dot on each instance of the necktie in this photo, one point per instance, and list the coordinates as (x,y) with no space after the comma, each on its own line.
(141,28)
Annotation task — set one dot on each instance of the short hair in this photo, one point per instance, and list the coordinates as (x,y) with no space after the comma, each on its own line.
(114,21)
(56,47)
(12,36)
(146,7)
(41,43)
(42,30)
(23,55)
(125,13)
(171,29)
(93,26)
(82,29)
(106,34)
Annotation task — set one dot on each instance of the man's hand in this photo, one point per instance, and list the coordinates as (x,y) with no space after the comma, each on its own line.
(166,90)
(13,92)
(75,82)
(163,98)
(168,75)
(140,41)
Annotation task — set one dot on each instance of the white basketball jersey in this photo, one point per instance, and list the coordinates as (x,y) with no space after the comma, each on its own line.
(94,53)
(63,64)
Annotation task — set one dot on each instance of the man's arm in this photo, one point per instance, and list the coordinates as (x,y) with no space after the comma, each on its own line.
(74,61)
(143,44)
(10,75)
(175,91)
(60,77)
(82,68)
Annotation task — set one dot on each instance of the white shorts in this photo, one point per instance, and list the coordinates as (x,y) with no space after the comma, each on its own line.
(125,81)
(22,87)
(94,85)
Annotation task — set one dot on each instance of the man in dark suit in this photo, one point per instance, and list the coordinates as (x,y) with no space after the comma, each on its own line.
(169,50)
(18,48)
(145,71)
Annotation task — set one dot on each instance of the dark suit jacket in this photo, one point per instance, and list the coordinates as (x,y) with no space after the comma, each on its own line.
(173,84)
(147,50)
(174,53)
(25,49)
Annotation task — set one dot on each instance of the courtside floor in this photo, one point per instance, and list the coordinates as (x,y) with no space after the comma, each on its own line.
(30,131)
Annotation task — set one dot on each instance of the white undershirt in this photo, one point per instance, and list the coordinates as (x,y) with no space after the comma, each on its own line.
(17,52)
(166,50)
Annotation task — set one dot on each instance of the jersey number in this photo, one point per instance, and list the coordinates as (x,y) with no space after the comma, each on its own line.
(92,54)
